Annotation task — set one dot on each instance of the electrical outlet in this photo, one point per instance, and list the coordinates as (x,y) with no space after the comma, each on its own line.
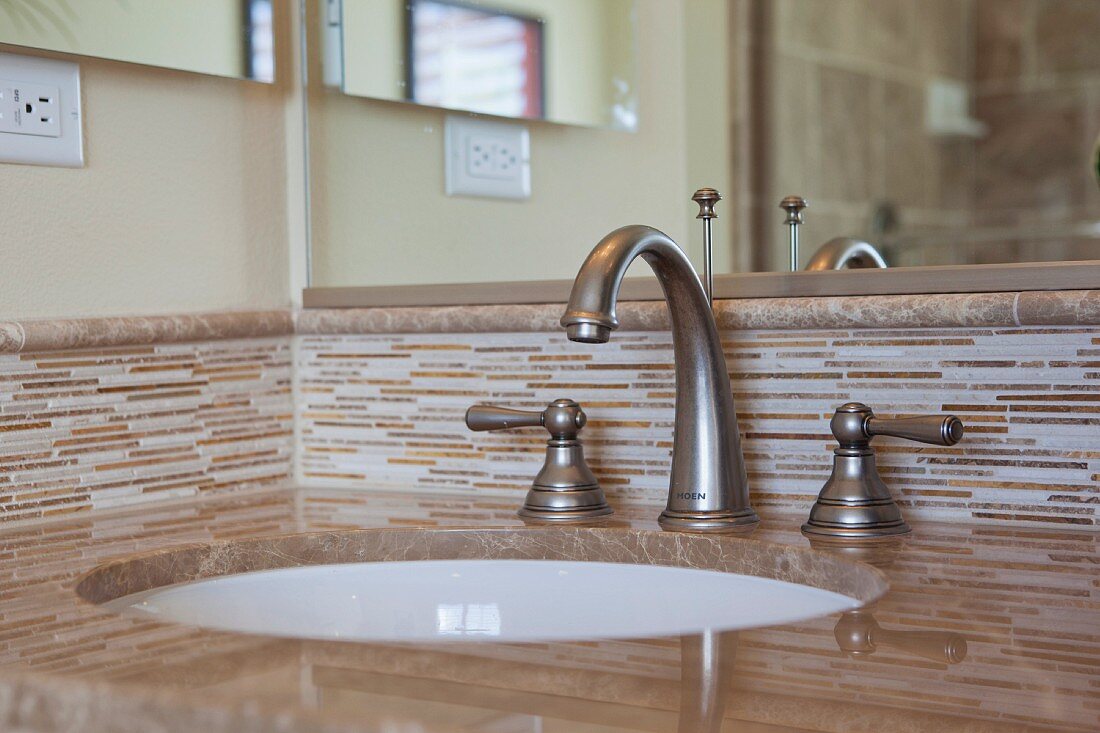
(40,111)
(492,157)
(487,158)
(29,109)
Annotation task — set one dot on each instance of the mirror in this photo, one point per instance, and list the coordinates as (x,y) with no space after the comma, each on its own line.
(568,61)
(946,132)
(220,37)
(943,132)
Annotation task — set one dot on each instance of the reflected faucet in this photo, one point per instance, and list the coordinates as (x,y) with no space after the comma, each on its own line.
(842,253)
(706,677)
(708,489)
(858,635)
(839,253)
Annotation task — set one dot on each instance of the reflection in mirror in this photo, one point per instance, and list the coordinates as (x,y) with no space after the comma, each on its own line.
(220,37)
(380,215)
(568,61)
(476,59)
(940,132)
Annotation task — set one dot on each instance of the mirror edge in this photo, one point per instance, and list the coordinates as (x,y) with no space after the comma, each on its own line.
(1027,276)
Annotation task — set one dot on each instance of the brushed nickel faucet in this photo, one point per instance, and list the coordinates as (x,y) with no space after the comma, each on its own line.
(565,490)
(854,504)
(708,489)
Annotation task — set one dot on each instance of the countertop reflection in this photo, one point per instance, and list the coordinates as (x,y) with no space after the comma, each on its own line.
(984,628)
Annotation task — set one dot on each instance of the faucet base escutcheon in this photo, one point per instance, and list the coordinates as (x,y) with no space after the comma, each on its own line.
(710,522)
(855,504)
(564,507)
(565,490)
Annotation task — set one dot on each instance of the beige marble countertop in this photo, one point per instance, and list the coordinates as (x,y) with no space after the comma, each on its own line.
(1017,611)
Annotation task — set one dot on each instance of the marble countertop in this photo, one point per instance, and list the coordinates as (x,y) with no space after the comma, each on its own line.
(983,629)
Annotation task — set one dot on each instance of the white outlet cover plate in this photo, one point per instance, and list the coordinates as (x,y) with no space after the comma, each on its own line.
(487,158)
(66,148)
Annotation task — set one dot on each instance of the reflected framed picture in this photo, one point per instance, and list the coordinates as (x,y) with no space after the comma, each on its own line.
(462,55)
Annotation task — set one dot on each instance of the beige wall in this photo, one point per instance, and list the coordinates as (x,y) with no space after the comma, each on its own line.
(381,217)
(710,110)
(182,204)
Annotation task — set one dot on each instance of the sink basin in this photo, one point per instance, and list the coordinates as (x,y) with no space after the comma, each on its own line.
(497,600)
(520,585)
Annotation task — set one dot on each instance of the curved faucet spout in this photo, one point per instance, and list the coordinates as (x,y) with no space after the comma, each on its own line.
(708,488)
(846,253)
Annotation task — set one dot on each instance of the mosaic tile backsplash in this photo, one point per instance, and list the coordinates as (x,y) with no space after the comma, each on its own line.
(386,411)
(111,427)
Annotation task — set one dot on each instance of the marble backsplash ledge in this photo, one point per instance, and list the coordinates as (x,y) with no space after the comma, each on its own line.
(950,310)
(1034,308)
(87,333)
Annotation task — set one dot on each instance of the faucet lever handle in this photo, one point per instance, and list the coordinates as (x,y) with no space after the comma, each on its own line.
(854,424)
(932,429)
(855,504)
(563,418)
(565,490)
(491,417)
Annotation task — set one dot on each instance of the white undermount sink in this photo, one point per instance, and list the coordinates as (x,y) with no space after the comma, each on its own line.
(500,600)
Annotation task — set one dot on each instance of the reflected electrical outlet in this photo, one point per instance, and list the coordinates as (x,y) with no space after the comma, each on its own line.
(487,158)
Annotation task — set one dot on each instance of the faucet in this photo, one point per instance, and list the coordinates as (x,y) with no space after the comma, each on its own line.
(842,253)
(839,253)
(708,488)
